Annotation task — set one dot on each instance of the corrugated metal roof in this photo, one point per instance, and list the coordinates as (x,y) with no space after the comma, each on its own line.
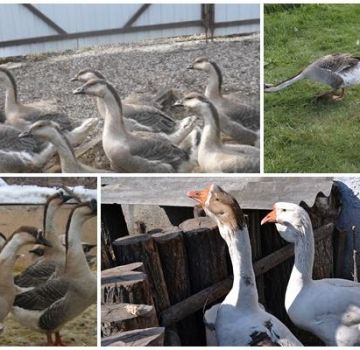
(252,192)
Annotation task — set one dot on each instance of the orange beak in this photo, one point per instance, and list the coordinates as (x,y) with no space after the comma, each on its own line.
(271,217)
(199,196)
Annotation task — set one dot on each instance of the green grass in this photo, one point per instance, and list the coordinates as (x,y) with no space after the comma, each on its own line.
(302,134)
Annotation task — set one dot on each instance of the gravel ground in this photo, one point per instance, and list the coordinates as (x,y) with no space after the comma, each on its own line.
(141,68)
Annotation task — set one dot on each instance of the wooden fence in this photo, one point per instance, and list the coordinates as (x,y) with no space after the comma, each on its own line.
(156,286)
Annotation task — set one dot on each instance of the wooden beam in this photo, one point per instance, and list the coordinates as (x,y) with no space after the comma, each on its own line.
(44,18)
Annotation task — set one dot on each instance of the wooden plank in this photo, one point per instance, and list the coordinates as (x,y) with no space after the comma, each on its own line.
(251,192)
(139,337)
(136,15)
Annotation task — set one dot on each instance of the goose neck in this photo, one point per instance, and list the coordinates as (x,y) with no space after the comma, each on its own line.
(213,88)
(243,293)
(211,133)
(50,229)
(76,264)
(11,100)
(114,122)
(8,252)
(304,255)
(67,156)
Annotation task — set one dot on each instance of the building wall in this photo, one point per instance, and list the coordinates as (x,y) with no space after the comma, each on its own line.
(17,22)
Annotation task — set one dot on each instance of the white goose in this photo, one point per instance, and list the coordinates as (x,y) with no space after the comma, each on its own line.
(8,255)
(240,319)
(329,308)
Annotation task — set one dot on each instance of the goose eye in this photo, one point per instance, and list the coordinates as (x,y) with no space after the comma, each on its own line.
(284,210)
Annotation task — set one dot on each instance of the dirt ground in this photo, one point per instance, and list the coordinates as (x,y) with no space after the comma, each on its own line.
(140,68)
(79,332)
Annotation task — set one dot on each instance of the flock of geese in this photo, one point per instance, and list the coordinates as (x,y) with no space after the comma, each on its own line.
(328,308)
(135,137)
(59,285)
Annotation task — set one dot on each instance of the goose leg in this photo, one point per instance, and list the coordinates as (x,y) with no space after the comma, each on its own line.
(339,97)
(58,340)
(326,95)
(49,339)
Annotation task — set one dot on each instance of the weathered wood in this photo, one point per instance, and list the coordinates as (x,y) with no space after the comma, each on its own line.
(339,251)
(177,215)
(107,254)
(125,317)
(139,337)
(128,287)
(118,270)
(143,248)
(113,218)
(195,302)
(206,252)
(219,290)
(170,244)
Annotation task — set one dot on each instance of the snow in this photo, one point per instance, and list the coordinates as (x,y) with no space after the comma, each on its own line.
(27,194)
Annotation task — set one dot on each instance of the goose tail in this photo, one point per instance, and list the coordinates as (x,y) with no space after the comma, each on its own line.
(284,84)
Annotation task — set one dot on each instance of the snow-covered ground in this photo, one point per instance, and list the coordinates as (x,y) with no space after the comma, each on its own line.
(30,194)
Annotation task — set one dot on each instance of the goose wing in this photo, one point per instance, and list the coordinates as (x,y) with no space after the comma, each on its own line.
(35,274)
(60,118)
(240,113)
(55,315)
(338,63)
(9,141)
(150,117)
(159,150)
(43,296)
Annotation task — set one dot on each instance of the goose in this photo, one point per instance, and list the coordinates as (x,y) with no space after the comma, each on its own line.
(50,131)
(133,152)
(52,261)
(50,306)
(328,308)
(240,320)
(143,117)
(19,115)
(22,236)
(213,155)
(339,71)
(235,116)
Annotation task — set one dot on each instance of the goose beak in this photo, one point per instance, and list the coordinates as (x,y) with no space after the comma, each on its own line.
(178,103)
(41,240)
(199,196)
(66,198)
(74,79)
(93,205)
(24,134)
(269,218)
(79,90)
(189,67)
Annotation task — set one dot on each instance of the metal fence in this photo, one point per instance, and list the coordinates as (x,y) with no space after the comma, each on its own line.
(27,28)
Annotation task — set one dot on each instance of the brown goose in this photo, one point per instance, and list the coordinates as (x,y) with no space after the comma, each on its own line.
(231,111)
(339,71)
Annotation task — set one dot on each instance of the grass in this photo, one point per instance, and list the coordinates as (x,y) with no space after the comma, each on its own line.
(302,134)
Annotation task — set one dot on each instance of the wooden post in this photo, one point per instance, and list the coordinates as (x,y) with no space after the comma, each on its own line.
(123,284)
(125,317)
(139,337)
(170,244)
(142,248)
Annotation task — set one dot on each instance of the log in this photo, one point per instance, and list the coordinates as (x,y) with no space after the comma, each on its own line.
(170,244)
(143,248)
(118,270)
(107,254)
(196,302)
(139,337)
(206,252)
(125,317)
(127,287)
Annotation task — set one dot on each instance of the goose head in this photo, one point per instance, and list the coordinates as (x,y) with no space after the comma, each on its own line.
(220,206)
(93,87)
(29,235)
(201,63)
(43,129)
(289,219)
(193,100)
(6,78)
(87,74)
